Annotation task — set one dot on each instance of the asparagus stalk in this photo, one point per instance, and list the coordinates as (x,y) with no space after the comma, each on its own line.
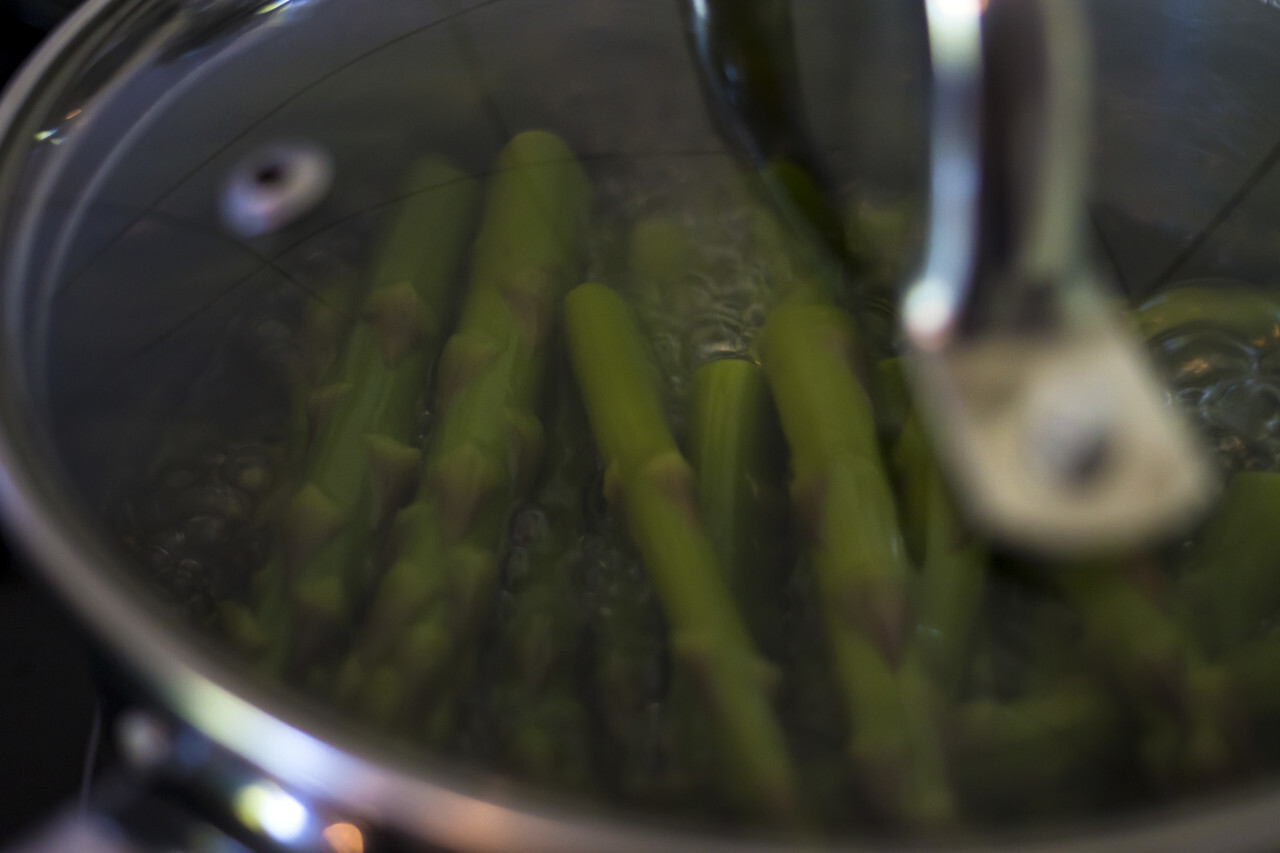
(1252,313)
(953,563)
(487,441)
(649,478)
(543,726)
(1234,566)
(1049,750)
(1183,704)
(1253,668)
(326,319)
(666,747)
(846,508)
(734,446)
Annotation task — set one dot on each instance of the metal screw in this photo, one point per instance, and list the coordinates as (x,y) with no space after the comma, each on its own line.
(275,187)
(1070,436)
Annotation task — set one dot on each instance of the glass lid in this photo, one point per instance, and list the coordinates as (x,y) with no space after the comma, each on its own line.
(438,366)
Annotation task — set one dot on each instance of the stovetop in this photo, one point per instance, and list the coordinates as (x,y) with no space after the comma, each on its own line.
(48,700)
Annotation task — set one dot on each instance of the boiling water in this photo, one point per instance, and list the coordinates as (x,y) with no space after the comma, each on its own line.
(1230,389)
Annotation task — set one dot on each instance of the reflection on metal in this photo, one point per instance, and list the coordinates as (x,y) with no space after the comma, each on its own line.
(747,63)
(932,305)
(208,22)
(264,807)
(344,838)
(275,187)
(1049,416)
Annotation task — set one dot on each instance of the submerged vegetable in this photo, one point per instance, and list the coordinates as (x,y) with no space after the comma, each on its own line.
(415,654)
(845,507)
(542,725)
(567,600)
(361,465)
(735,448)
(649,478)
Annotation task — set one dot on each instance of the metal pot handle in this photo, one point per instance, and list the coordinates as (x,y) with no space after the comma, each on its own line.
(1049,417)
(1047,410)
(130,821)
(177,791)
(86,833)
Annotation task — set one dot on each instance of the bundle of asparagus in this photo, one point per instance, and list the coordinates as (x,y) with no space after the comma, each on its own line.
(360,466)
(1156,672)
(841,493)
(485,447)
(650,480)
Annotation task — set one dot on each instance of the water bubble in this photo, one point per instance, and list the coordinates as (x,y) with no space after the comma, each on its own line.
(206,531)
(218,500)
(1230,391)
(1204,357)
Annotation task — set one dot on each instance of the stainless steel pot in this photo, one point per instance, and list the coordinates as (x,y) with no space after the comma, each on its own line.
(120,281)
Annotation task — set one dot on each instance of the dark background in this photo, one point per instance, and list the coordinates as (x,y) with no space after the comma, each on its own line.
(48,703)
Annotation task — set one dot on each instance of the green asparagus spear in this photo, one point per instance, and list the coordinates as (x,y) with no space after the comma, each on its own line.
(953,563)
(543,727)
(1250,312)
(487,441)
(1184,705)
(1234,566)
(1253,668)
(841,493)
(1052,750)
(326,321)
(735,449)
(650,479)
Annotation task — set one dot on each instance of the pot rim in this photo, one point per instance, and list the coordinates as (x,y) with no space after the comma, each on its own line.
(317,760)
